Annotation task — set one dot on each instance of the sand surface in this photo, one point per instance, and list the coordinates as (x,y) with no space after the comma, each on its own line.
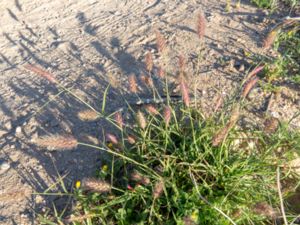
(88,44)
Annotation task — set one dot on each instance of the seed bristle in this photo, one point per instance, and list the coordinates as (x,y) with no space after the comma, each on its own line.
(136,176)
(132,84)
(161,72)
(160,41)
(158,189)
(167,115)
(254,72)
(220,136)
(249,85)
(50,77)
(269,40)
(147,81)
(201,25)
(119,119)
(95,185)
(131,140)
(185,93)
(149,62)
(141,120)
(112,138)
(152,110)
(219,102)
(56,142)
(88,115)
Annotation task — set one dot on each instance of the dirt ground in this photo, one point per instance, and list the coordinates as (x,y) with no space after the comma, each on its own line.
(88,44)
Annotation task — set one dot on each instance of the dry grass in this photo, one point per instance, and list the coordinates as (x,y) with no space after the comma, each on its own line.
(50,77)
(56,142)
(133,87)
(160,41)
(185,93)
(269,40)
(201,25)
(149,62)
(141,120)
(88,115)
(95,185)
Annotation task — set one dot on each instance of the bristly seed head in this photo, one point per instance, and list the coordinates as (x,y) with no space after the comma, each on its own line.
(147,81)
(160,41)
(167,115)
(149,62)
(185,93)
(249,86)
(56,142)
(94,185)
(136,176)
(132,83)
(254,72)
(119,119)
(221,135)
(41,72)
(112,138)
(158,189)
(131,140)
(235,115)
(268,42)
(88,115)
(141,120)
(152,110)
(161,72)
(201,25)
(219,102)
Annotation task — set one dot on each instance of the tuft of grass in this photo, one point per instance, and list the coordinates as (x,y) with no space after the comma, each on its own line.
(236,179)
(172,165)
(286,65)
(173,172)
(272,4)
(285,41)
(265,3)
(201,25)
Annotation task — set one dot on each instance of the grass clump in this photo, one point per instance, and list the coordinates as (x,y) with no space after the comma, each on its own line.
(286,66)
(264,3)
(186,180)
(272,4)
(170,164)
(174,173)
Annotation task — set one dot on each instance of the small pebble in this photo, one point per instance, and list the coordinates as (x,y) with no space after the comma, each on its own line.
(4,166)
(18,130)
(2,133)
(8,125)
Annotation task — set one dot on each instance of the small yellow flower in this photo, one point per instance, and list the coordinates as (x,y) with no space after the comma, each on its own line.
(290,33)
(195,216)
(77,184)
(246,53)
(104,168)
(110,145)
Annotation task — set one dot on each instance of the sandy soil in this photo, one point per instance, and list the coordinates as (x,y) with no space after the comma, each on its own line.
(88,44)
